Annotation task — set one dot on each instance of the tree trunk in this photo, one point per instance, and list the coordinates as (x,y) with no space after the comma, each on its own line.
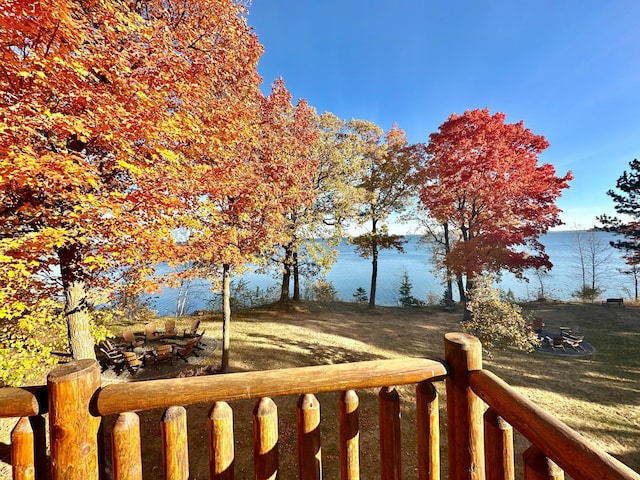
(286,274)
(447,249)
(296,277)
(374,265)
(461,292)
(467,313)
(226,316)
(81,342)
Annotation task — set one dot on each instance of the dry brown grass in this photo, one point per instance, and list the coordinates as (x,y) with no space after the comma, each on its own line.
(598,396)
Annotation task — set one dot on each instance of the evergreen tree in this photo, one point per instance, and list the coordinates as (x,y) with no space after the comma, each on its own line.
(627,203)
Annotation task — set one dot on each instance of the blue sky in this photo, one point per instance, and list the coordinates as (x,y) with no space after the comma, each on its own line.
(569,69)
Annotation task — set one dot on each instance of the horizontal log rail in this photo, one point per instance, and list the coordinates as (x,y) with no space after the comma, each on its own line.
(23,401)
(131,397)
(18,402)
(572,452)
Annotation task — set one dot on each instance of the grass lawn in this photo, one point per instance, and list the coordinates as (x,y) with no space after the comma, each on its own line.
(599,396)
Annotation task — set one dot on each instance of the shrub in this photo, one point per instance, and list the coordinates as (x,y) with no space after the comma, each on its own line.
(497,323)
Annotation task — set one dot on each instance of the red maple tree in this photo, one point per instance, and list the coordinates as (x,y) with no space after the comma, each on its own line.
(483,180)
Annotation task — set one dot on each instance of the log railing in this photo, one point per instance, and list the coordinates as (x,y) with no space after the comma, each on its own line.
(480,439)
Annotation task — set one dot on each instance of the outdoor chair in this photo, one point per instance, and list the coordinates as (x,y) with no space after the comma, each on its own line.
(199,345)
(134,361)
(188,349)
(170,329)
(131,340)
(537,326)
(574,342)
(558,342)
(151,331)
(192,330)
(112,355)
(164,353)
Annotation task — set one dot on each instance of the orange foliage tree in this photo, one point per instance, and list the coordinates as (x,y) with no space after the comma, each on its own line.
(243,201)
(483,179)
(105,109)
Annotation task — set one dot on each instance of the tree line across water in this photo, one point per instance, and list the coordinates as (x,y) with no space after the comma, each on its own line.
(135,133)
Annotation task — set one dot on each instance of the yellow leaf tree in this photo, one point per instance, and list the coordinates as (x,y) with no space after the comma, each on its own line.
(102,119)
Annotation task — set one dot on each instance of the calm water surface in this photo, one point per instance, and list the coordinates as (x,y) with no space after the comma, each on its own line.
(352,271)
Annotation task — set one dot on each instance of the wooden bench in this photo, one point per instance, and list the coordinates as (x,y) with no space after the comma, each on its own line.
(610,301)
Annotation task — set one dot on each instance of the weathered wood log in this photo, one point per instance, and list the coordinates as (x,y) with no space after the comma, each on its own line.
(23,458)
(463,353)
(498,447)
(265,439)
(309,449)
(348,406)
(221,449)
(39,428)
(116,398)
(572,452)
(73,430)
(175,448)
(428,426)
(17,402)
(126,458)
(390,448)
(538,467)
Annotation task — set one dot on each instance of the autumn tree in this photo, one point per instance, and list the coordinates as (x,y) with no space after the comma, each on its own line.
(482,178)
(316,228)
(388,163)
(101,113)
(242,201)
(627,204)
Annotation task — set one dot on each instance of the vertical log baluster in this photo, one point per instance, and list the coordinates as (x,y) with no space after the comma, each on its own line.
(39,427)
(23,451)
(538,467)
(498,447)
(463,353)
(73,430)
(126,456)
(428,426)
(390,452)
(265,439)
(175,449)
(221,448)
(309,449)
(349,436)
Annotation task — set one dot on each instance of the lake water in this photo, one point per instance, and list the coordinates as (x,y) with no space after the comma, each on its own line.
(352,271)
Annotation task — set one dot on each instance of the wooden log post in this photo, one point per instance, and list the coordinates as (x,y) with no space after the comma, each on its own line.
(428,426)
(309,449)
(221,448)
(23,459)
(390,449)
(348,406)
(265,439)
(126,456)
(73,430)
(538,467)
(498,447)
(175,449)
(463,353)
(39,428)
